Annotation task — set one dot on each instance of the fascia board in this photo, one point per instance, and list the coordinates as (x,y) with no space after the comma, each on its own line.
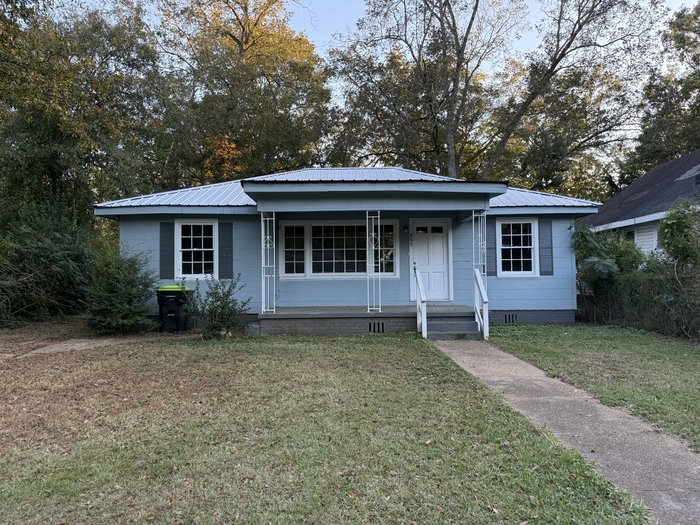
(630,222)
(491,188)
(175,210)
(633,221)
(544,210)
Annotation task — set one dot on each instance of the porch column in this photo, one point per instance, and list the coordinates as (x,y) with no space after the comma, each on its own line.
(479,242)
(267,232)
(374,250)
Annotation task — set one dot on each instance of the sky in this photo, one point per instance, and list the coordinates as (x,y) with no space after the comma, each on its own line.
(325,17)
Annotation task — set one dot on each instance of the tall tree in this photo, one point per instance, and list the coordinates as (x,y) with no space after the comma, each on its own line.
(671,104)
(589,35)
(572,128)
(439,85)
(258,99)
(78,129)
(417,70)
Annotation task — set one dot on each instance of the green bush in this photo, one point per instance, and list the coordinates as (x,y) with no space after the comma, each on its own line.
(44,263)
(218,313)
(659,292)
(679,233)
(118,291)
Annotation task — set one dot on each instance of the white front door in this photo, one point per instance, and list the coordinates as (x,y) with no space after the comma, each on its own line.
(430,253)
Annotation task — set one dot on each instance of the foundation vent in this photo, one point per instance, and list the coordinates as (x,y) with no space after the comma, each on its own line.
(376,327)
(510,318)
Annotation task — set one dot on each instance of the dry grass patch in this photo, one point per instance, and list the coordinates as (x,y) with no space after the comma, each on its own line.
(279,430)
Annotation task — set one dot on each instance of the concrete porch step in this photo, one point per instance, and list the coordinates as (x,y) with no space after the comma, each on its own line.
(459,325)
(451,326)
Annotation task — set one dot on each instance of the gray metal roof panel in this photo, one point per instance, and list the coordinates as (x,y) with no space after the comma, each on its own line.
(378,174)
(222,194)
(232,194)
(519,198)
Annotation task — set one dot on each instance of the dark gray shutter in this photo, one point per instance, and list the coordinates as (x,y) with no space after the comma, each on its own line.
(225,250)
(167,250)
(491,262)
(546,249)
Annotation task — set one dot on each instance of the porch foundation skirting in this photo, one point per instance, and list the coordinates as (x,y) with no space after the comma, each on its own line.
(336,325)
(327,321)
(532,316)
(354,321)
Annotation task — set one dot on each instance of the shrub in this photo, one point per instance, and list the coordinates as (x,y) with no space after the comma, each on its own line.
(218,312)
(118,291)
(659,292)
(679,233)
(44,264)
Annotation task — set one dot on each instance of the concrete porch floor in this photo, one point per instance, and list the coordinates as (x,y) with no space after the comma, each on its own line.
(333,312)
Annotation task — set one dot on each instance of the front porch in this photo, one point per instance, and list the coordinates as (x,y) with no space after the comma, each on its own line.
(445,321)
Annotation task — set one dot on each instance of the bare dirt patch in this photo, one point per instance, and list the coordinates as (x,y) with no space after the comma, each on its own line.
(19,341)
(63,335)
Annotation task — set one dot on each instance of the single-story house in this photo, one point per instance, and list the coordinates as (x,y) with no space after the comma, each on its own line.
(636,210)
(361,249)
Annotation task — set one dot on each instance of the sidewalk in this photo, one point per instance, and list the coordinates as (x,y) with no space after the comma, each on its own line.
(653,467)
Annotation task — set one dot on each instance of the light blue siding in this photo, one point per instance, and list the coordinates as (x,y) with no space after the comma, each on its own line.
(142,235)
(555,292)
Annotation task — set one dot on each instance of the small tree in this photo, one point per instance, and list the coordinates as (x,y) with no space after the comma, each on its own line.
(218,312)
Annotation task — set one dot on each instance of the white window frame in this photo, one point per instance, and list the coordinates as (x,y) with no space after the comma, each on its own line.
(178,247)
(535,272)
(308,273)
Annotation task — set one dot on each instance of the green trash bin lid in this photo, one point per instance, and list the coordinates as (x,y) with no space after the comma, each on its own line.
(173,288)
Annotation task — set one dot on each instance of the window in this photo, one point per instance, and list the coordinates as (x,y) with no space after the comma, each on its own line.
(517,247)
(384,258)
(294,250)
(336,249)
(195,250)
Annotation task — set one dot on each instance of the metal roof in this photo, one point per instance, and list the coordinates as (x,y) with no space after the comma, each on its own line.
(650,196)
(222,194)
(519,198)
(381,174)
(231,194)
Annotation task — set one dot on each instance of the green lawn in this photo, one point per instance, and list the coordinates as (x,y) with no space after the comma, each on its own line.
(280,430)
(654,377)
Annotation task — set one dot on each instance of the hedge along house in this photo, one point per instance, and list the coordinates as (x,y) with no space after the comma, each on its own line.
(352,250)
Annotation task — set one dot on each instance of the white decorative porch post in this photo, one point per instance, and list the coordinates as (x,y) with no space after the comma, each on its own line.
(267,232)
(481,299)
(374,253)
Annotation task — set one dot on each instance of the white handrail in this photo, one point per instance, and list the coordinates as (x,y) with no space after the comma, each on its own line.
(481,304)
(421,304)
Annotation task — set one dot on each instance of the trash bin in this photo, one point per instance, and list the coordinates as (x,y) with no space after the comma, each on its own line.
(172,308)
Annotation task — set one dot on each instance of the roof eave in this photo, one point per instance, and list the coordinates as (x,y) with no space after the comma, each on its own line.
(114,211)
(629,222)
(577,211)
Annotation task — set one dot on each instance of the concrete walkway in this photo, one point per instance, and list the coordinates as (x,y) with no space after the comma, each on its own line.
(653,467)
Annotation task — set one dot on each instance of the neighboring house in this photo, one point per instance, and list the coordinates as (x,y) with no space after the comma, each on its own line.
(635,211)
(333,250)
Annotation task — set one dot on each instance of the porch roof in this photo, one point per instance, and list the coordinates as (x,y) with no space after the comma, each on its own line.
(315,189)
(359,189)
